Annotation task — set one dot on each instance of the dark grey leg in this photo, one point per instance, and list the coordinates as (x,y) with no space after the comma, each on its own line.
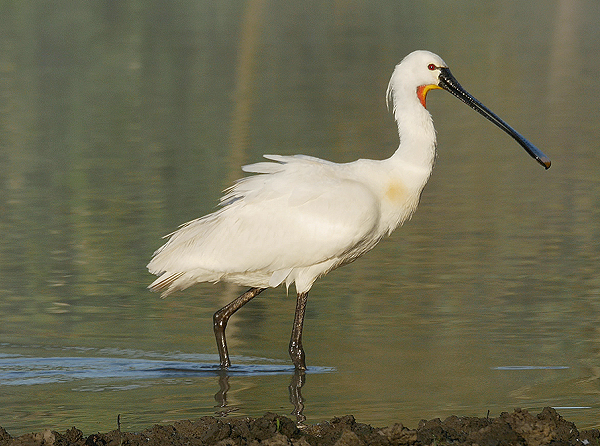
(221,317)
(296,350)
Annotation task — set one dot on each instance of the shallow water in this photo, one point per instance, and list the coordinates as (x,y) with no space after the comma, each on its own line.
(121,120)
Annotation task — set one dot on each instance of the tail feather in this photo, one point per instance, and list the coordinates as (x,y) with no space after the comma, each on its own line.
(165,280)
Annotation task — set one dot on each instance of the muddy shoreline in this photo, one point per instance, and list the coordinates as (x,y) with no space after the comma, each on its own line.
(516,428)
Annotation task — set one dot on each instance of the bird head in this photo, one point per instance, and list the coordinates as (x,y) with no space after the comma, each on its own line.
(419,70)
(423,71)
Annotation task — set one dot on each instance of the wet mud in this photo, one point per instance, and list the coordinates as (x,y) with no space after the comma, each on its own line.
(517,428)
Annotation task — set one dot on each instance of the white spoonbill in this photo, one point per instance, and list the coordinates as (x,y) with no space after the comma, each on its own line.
(300,217)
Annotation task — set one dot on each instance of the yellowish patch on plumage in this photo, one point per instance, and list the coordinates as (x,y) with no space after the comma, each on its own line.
(395,192)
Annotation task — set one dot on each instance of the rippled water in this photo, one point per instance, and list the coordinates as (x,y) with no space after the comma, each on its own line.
(18,370)
(121,120)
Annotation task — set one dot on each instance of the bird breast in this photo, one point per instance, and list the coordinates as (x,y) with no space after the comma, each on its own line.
(397,188)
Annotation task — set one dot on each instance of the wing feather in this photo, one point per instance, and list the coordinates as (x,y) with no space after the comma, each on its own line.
(296,213)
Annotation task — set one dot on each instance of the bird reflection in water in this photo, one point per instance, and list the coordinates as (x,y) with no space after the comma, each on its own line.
(295,387)
(223,409)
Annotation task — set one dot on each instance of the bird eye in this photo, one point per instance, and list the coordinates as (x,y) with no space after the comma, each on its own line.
(431,67)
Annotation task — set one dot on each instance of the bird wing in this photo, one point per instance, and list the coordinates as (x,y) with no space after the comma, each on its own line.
(297,212)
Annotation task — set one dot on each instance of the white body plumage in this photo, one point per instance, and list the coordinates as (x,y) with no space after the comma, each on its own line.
(300,217)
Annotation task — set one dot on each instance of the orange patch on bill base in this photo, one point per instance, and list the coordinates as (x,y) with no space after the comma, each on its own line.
(422,91)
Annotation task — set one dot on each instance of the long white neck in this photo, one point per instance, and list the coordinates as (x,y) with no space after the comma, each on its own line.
(409,168)
(415,127)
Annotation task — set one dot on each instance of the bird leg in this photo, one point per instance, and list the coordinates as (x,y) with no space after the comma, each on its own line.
(296,350)
(221,317)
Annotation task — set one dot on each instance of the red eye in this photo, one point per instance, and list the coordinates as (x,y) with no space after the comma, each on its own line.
(431,67)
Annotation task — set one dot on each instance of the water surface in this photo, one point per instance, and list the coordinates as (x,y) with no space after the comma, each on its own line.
(121,120)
